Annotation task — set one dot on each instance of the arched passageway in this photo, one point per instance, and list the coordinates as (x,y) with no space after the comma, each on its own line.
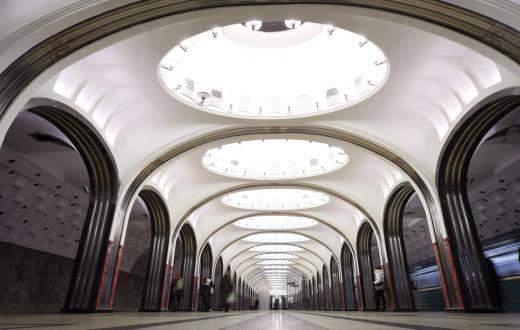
(320,292)
(134,261)
(413,277)
(205,271)
(469,146)
(59,187)
(144,258)
(327,296)
(183,283)
(335,285)
(217,299)
(347,268)
(368,259)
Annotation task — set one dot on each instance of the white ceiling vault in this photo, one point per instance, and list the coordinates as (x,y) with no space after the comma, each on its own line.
(435,77)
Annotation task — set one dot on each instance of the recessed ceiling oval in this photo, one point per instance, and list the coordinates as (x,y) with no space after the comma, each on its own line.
(275,238)
(273,69)
(274,159)
(276,199)
(275,222)
(276,248)
(276,256)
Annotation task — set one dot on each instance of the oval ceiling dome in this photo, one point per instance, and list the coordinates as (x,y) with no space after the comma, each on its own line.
(273,69)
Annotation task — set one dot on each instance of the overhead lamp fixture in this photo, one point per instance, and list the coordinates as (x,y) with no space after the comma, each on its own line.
(275,262)
(275,267)
(253,25)
(276,199)
(275,248)
(275,222)
(329,28)
(276,256)
(292,23)
(274,159)
(275,238)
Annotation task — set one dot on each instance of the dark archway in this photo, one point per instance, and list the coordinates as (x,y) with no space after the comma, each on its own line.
(184,268)
(239,295)
(347,268)
(87,205)
(413,279)
(217,299)
(205,270)
(154,294)
(327,296)
(57,203)
(399,289)
(319,292)
(235,292)
(131,273)
(366,244)
(335,285)
(469,271)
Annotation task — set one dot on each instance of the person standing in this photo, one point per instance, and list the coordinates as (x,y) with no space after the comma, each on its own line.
(379,288)
(179,293)
(227,292)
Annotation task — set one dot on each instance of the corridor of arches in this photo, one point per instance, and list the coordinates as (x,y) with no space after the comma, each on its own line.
(280,161)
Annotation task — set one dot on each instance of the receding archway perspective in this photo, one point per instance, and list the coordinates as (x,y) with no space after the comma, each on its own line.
(184,283)
(349,286)
(260,164)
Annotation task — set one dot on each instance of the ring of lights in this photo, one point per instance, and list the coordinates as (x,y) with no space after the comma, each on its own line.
(275,199)
(275,222)
(310,69)
(274,159)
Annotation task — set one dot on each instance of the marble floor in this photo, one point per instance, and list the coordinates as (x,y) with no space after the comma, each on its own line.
(264,320)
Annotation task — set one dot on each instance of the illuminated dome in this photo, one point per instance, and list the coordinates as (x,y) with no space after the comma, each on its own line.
(272,159)
(275,222)
(275,238)
(276,262)
(275,267)
(276,256)
(276,199)
(273,69)
(276,248)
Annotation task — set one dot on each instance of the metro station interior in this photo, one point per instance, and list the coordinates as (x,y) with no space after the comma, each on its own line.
(260,164)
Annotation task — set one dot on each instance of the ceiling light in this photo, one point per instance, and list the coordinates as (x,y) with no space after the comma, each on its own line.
(275,267)
(245,67)
(275,271)
(275,262)
(276,248)
(276,199)
(274,159)
(276,256)
(254,25)
(292,23)
(275,222)
(275,238)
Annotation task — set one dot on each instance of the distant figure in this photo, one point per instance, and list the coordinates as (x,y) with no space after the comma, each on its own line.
(276,304)
(414,286)
(211,293)
(227,292)
(178,293)
(257,302)
(495,284)
(206,291)
(379,288)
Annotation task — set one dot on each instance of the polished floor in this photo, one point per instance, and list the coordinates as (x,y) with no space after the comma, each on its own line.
(264,320)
